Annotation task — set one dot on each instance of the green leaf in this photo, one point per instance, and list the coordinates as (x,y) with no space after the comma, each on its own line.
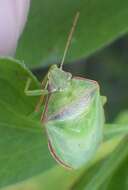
(119,179)
(44,39)
(56,178)
(99,174)
(23,145)
(122,173)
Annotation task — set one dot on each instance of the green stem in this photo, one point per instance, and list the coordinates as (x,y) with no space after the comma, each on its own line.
(115,130)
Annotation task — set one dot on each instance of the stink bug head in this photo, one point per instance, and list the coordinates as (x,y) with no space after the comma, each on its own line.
(58,79)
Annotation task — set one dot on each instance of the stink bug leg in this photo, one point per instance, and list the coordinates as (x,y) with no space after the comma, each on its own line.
(36,92)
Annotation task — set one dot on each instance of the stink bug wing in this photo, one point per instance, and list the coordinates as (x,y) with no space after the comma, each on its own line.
(74,122)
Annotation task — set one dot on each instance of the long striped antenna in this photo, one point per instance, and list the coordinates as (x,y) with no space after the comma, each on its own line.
(69,38)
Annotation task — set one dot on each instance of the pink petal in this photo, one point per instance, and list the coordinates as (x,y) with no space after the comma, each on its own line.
(13,15)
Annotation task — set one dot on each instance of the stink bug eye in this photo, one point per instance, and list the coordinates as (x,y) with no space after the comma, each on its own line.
(73,116)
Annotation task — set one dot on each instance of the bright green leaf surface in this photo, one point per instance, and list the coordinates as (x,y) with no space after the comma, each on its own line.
(43,41)
(119,180)
(23,147)
(55,179)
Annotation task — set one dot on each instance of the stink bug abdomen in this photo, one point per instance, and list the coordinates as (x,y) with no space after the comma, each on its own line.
(74,121)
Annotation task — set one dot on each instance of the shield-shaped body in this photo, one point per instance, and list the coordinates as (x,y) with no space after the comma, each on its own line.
(74,121)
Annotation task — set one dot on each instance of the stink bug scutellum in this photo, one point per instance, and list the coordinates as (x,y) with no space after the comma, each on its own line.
(73,116)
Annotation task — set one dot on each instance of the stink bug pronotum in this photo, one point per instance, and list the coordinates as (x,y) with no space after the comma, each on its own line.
(73,114)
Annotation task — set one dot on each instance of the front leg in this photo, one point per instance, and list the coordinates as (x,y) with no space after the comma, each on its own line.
(37,92)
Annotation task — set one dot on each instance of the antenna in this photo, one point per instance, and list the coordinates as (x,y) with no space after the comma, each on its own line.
(69,38)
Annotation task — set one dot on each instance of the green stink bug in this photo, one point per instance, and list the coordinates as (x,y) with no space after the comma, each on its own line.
(73,116)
